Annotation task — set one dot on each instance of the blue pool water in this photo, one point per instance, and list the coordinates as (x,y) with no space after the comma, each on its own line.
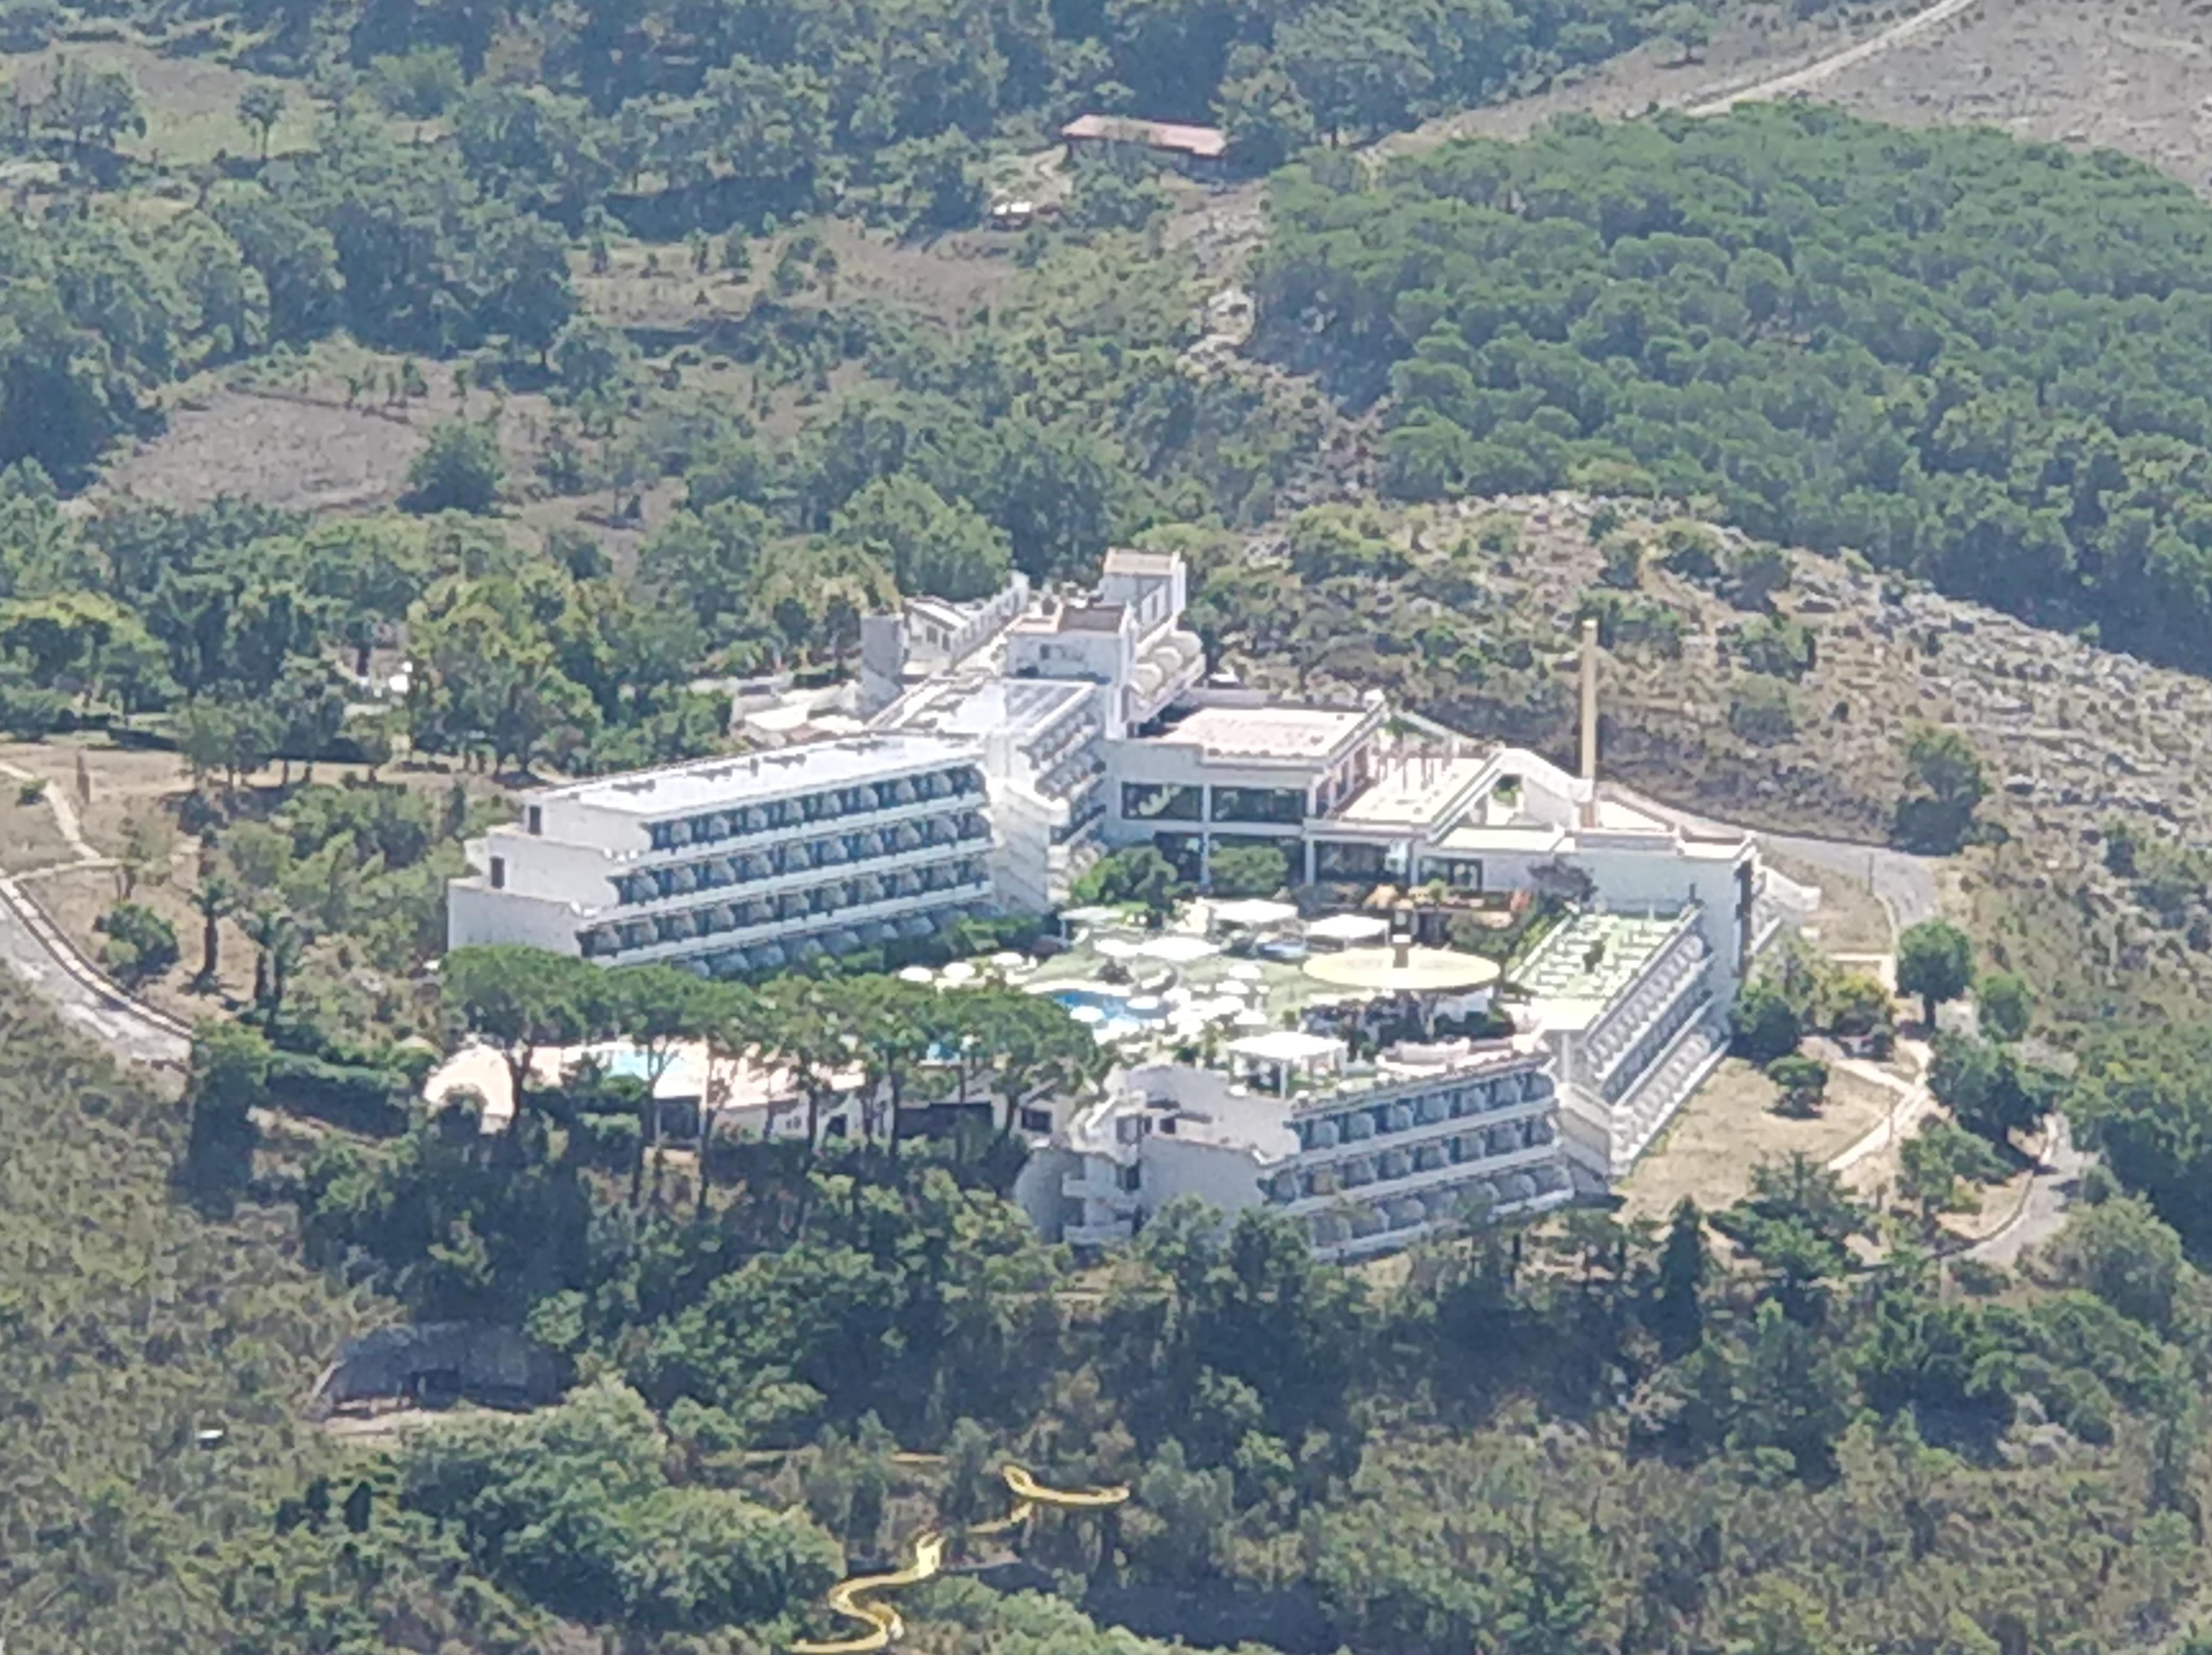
(1115,1017)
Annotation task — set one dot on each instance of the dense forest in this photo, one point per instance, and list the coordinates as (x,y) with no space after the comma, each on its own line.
(1785,1428)
(1966,358)
(566,125)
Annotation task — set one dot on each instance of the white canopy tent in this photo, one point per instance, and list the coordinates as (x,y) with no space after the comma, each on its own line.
(1175,948)
(1346,929)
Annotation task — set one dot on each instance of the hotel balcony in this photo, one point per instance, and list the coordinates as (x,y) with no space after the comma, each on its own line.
(1115,1233)
(866,805)
(1356,1229)
(1363,1108)
(1415,1169)
(796,864)
(781,928)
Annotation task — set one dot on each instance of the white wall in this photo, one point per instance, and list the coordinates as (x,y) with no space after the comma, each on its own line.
(1104,656)
(553,869)
(476,913)
(1021,846)
(1037,1189)
(571,819)
(1220,1176)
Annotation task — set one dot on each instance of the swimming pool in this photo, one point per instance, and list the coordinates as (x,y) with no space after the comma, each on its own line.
(627,1062)
(1110,1014)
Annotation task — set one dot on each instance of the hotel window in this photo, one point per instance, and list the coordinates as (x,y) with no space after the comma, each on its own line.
(1186,851)
(1284,805)
(499,873)
(536,819)
(1461,873)
(1346,860)
(1146,801)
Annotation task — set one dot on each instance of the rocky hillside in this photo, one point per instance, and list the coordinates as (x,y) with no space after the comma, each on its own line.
(2072,737)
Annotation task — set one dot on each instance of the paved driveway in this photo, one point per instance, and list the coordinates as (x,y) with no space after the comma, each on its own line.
(31,950)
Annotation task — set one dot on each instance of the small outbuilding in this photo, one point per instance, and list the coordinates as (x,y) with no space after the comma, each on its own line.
(1201,151)
(438,1363)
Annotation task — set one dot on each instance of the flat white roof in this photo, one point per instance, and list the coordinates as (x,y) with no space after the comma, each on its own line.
(1014,706)
(1287,1046)
(1533,838)
(1266,732)
(1254,911)
(1616,816)
(1413,790)
(709,784)
(1126,560)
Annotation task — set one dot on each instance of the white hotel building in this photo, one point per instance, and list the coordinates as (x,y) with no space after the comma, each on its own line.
(743,864)
(1010,741)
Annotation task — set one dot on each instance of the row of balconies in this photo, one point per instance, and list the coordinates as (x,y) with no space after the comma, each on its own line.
(1358,1226)
(771,863)
(840,939)
(1057,743)
(1649,998)
(1079,770)
(1080,820)
(1422,1102)
(824,902)
(1625,1074)
(1663,1089)
(811,809)
(1422,1137)
(1410,1161)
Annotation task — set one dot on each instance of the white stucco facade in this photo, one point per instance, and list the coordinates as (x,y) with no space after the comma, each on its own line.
(1370,1162)
(740,865)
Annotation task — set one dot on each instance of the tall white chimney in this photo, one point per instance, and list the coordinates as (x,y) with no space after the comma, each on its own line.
(1589,719)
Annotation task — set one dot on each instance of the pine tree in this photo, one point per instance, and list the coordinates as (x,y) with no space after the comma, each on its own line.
(1678,1311)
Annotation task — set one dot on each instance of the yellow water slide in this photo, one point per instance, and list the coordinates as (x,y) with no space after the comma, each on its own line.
(882,1621)
(884,1628)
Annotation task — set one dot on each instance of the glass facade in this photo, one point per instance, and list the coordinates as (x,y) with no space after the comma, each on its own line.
(1461,873)
(1348,860)
(1282,806)
(1148,800)
(1186,851)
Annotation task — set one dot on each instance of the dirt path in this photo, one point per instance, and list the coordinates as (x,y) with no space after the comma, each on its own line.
(1827,68)
(1914,1105)
(72,830)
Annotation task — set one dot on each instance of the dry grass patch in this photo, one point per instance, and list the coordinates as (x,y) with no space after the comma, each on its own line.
(191,103)
(1708,1151)
(1850,920)
(29,837)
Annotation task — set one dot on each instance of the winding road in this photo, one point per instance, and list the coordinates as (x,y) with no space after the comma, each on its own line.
(2042,1210)
(33,946)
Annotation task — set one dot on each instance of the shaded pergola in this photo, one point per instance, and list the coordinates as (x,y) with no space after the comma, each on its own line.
(1280,1059)
(1404,969)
